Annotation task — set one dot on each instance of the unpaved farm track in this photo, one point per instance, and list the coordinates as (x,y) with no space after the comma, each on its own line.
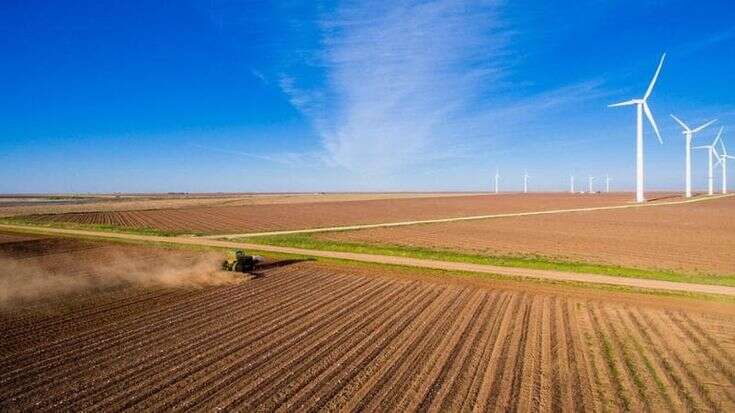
(310,338)
(394,260)
(694,237)
(225,219)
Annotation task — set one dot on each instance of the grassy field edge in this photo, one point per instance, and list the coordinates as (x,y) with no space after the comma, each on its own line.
(308,241)
(696,296)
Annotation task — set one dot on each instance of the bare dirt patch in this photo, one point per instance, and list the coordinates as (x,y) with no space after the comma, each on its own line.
(284,216)
(314,337)
(697,237)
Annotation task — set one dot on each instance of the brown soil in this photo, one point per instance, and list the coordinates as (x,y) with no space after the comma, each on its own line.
(697,237)
(309,336)
(138,202)
(451,266)
(11,238)
(254,218)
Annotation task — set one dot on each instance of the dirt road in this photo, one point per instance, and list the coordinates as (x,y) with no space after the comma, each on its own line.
(692,238)
(383,259)
(469,218)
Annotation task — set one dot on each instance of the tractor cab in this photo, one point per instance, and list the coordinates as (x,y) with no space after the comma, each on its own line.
(242,262)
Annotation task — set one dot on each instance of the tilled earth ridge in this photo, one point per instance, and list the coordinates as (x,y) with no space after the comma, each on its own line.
(312,337)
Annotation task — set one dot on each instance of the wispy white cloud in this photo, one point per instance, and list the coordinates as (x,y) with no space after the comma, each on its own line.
(258,74)
(305,101)
(701,44)
(412,82)
(300,159)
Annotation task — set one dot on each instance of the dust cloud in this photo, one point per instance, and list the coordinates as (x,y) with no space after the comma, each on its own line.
(25,280)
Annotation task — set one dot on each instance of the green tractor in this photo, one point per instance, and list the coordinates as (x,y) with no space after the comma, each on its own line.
(242,263)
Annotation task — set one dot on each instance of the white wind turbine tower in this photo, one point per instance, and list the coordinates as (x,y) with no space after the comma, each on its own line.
(641,107)
(571,184)
(589,183)
(711,151)
(723,160)
(689,134)
(497,178)
(607,183)
(525,182)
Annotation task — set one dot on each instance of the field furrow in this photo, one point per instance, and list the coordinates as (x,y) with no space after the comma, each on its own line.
(311,336)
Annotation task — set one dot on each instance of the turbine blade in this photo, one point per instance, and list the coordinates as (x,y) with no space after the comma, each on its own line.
(722,145)
(655,76)
(683,125)
(626,103)
(649,115)
(705,125)
(719,134)
(702,147)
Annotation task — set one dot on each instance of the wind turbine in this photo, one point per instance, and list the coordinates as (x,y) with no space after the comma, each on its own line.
(641,107)
(689,134)
(723,161)
(710,152)
(607,183)
(571,183)
(590,179)
(497,177)
(525,182)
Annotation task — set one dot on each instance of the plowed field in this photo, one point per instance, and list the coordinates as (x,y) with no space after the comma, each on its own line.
(254,218)
(15,206)
(314,337)
(698,237)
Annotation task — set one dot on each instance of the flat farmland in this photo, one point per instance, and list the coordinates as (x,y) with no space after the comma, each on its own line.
(285,216)
(697,237)
(311,336)
(58,204)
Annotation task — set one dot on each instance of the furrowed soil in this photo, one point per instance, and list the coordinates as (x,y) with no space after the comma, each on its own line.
(696,237)
(284,216)
(27,205)
(314,336)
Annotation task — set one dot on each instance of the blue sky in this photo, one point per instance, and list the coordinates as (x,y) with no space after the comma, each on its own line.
(350,95)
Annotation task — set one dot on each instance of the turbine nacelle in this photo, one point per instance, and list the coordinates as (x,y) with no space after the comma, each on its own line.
(712,146)
(688,130)
(627,103)
(724,156)
(641,109)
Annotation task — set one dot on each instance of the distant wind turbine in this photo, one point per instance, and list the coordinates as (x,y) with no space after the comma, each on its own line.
(571,183)
(689,134)
(607,183)
(590,179)
(641,107)
(525,182)
(497,178)
(723,160)
(711,152)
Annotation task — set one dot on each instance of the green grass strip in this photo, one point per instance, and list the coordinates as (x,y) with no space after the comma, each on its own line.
(308,241)
(724,299)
